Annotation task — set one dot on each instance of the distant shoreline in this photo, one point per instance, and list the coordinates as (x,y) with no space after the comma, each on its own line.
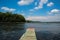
(29,22)
(40,22)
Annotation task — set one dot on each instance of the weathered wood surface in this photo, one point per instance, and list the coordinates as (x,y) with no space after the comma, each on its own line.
(29,34)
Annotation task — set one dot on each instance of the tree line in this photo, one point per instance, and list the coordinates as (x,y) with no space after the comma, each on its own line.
(11,17)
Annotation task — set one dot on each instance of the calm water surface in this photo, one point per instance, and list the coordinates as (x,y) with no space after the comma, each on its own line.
(51,27)
(44,31)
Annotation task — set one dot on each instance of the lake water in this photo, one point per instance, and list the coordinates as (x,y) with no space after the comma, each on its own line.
(44,31)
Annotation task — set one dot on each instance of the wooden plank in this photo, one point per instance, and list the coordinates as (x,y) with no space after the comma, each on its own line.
(29,34)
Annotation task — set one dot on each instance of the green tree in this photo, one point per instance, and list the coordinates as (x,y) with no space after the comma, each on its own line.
(10,17)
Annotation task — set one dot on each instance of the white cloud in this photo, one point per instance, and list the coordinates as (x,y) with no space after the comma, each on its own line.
(36,8)
(41,3)
(49,18)
(44,18)
(25,2)
(8,9)
(36,18)
(54,11)
(50,4)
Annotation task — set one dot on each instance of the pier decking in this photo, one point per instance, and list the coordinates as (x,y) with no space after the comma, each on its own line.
(29,34)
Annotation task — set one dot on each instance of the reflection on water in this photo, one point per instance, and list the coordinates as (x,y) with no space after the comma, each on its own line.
(44,31)
(14,32)
(51,27)
(44,35)
(11,26)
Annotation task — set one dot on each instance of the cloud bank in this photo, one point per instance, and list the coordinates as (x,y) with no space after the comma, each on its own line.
(44,18)
(48,18)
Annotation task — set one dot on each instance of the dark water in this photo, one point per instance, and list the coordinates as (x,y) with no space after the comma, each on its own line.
(15,31)
(44,31)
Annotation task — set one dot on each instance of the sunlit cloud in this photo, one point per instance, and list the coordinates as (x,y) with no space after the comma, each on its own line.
(48,18)
(7,9)
(50,4)
(41,3)
(35,18)
(44,18)
(54,11)
(25,2)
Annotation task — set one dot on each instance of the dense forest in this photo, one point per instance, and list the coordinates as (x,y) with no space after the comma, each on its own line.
(11,17)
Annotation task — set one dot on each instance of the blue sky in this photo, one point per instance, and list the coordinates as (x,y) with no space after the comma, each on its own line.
(37,10)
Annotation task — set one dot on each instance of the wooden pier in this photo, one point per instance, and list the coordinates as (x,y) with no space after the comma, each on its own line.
(29,34)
